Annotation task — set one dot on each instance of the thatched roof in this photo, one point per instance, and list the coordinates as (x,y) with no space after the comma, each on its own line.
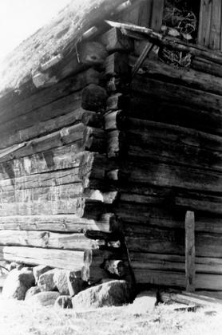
(55,38)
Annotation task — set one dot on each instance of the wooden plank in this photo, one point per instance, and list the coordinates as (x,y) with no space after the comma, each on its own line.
(215,29)
(205,22)
(64,259)
(190,251)
(54,223)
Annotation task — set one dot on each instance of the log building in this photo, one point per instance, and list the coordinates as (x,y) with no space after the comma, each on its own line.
(111,143)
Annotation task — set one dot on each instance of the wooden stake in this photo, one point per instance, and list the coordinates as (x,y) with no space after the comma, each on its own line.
(190,251)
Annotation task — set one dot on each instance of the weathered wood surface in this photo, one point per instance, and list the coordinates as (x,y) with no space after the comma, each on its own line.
(63,158)
(205,66)
(48,95)
(64,259)
(117,65)
(46,239)
(169,262)
(58,114)
(215,29)
(157,109)
(94,98)
(137,218)
(149,239)
(176,176)
(176,279)
(182,76)
(190,268)
(143,33)
(67,205)
(56,223)
(85,137)
(166,198)
(167,143)
(181,94)
(114,41)
(205,22)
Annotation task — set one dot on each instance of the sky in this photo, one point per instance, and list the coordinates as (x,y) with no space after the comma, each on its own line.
(21,18)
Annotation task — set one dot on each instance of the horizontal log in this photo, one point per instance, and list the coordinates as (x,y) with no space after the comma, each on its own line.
(165,175)
(85,137)
(169,143)
(181,76)
(168,198)
(181,94)
(62,158)
(177,279)
(56,223)
(46,239)
(173,112)
(165,217)
(48,95)
(64,259)
(91,209)
(93,275)
(166,262)
(60,113)
(202,65)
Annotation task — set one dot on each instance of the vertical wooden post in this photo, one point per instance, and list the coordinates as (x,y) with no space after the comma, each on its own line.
(205,22)
(190,251)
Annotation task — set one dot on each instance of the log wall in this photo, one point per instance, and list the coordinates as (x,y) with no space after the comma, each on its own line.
(98,170)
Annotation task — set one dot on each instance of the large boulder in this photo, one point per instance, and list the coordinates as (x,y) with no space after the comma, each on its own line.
(17,283)
(112,293)
(32,291)
(63,301)
(61,278)
(46,281)
(43,299)
(39,270)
